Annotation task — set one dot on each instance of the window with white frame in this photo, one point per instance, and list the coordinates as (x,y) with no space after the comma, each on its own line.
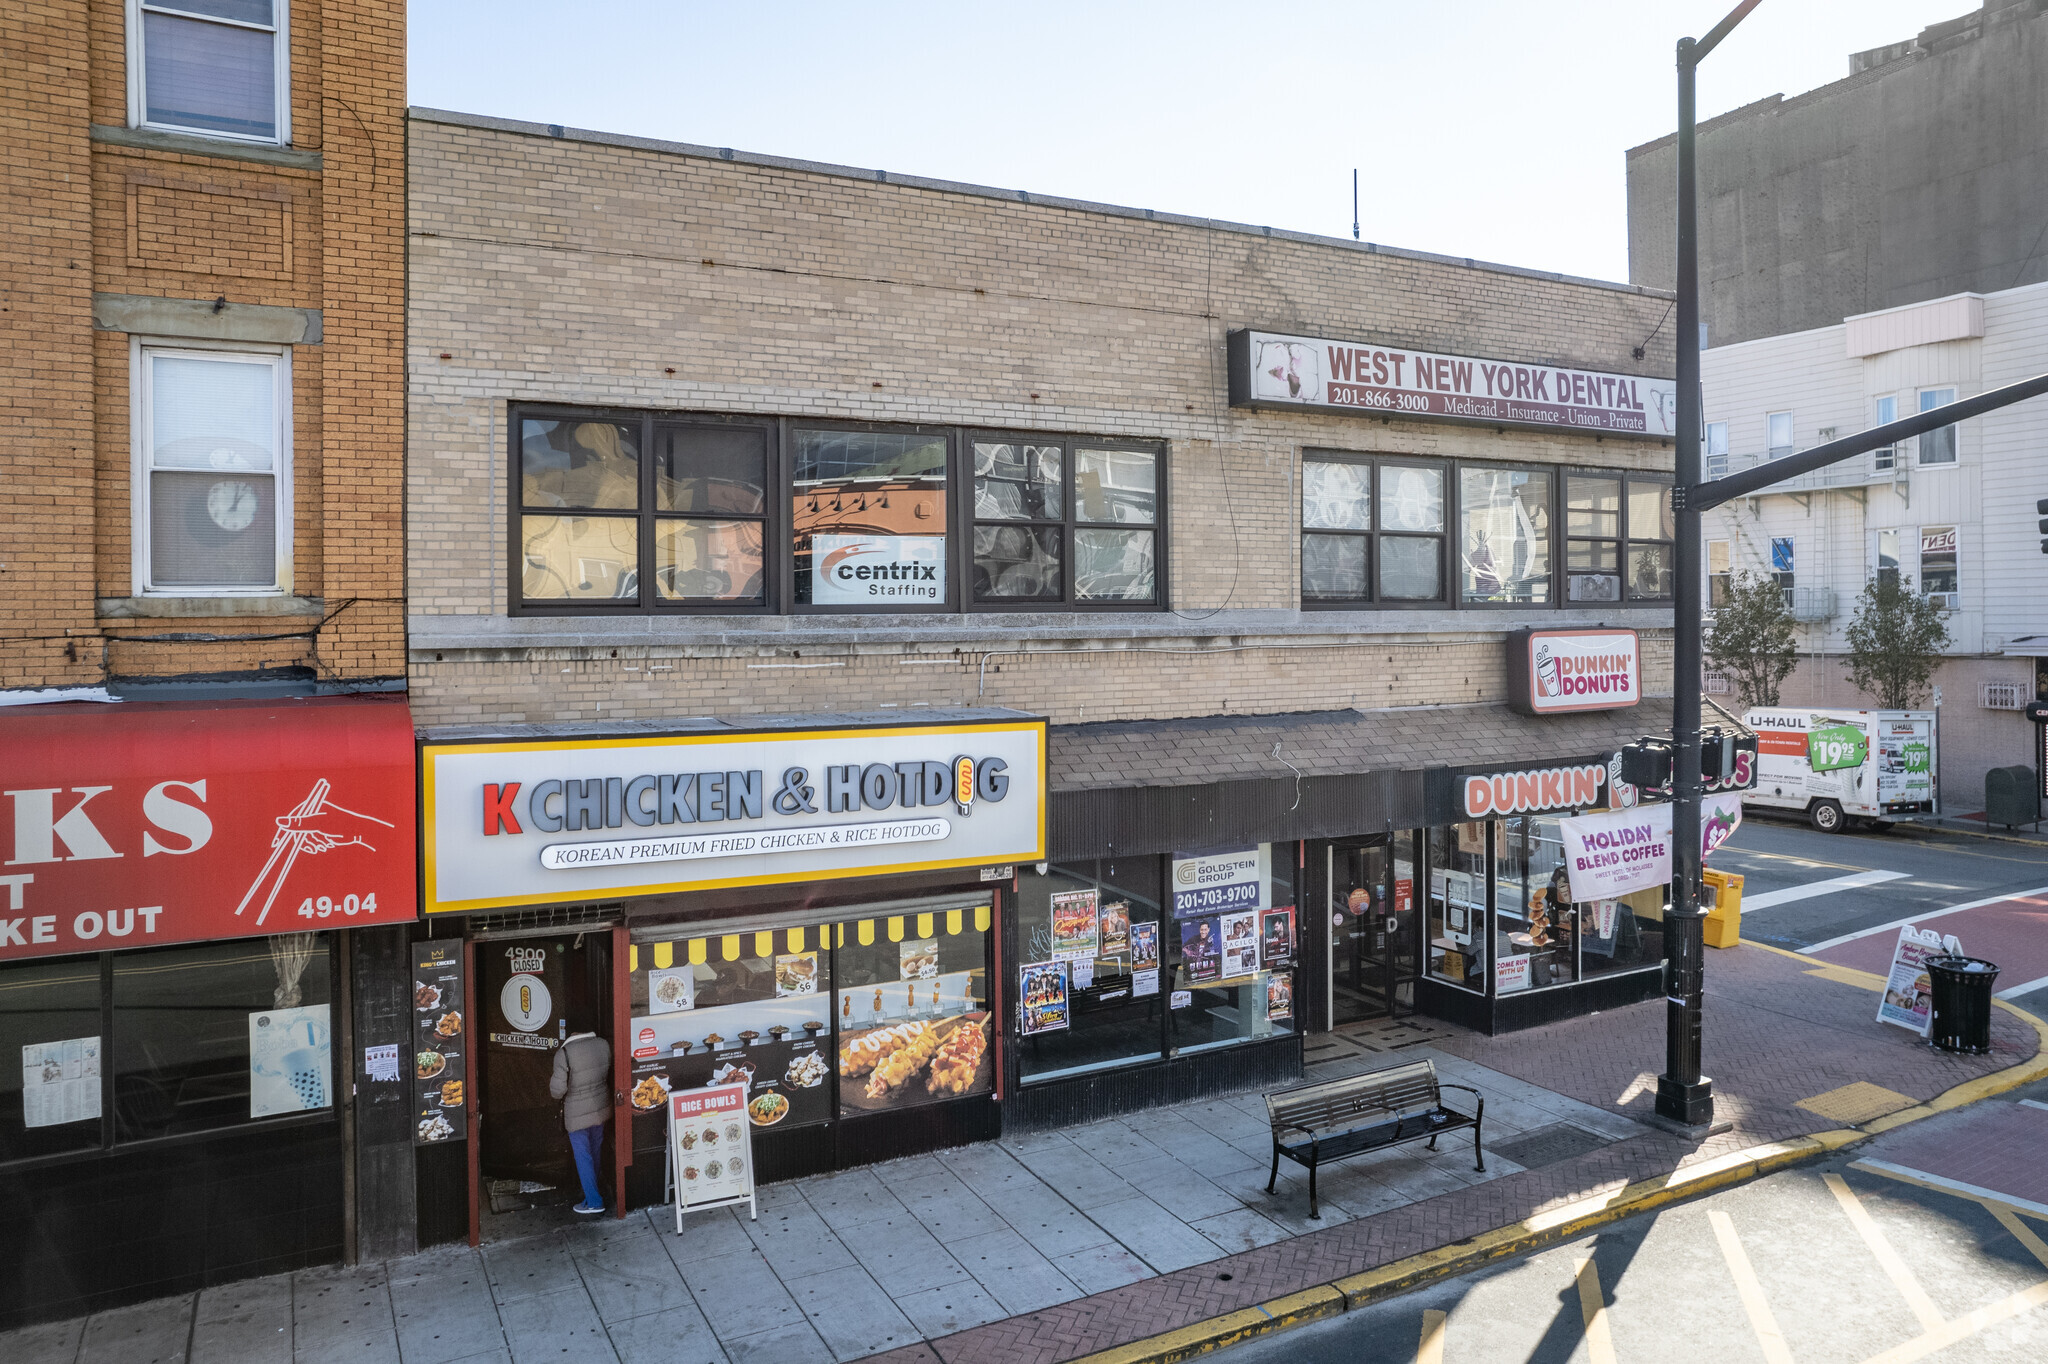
(1717,449)
(1719,570)
(219,68)
(213,455)
(1937,447)
(1783,564)
(1886,457)
(1938,563)
(1778,434)
(1888,556)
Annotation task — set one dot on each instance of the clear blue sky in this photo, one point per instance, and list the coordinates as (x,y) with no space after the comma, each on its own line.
(1490,128)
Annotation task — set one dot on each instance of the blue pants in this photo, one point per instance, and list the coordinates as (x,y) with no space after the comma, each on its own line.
(586,1144)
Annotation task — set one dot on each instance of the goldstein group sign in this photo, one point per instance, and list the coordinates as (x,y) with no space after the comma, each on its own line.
(549,821)
(1272,369)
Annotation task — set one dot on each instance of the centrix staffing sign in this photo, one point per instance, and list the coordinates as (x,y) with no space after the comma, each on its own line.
(539,822)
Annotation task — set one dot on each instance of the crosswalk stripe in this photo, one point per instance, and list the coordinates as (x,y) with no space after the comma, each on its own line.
(1790,894)
(1430,1349)
(1888,1259)
(1593,1307)
(1751,1291)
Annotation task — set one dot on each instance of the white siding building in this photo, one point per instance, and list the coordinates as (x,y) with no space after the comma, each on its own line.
(1954,510)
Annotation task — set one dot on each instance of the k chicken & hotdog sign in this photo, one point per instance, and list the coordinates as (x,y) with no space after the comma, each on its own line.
(135,824)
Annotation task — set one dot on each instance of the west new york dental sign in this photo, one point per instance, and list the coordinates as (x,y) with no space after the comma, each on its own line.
(527,823)
(1268,369)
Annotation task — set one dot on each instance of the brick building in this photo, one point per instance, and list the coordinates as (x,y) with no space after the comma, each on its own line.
(200,581)
(836,473)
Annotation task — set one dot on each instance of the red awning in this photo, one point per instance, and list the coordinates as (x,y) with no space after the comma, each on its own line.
(140,823)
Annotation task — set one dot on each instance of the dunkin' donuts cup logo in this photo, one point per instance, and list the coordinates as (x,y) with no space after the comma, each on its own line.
(1546,671)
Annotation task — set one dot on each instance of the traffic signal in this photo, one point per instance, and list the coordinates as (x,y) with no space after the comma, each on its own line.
(1646,764)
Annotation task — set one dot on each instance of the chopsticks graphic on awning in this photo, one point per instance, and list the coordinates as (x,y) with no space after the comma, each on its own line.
(294,837)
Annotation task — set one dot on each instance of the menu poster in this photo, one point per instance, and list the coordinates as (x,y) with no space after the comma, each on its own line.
(711,1149)
(918,958)
(1201,951)
(1042,998)
(1279,995)
(1074,931)
(673,990)
(783,1071)
(1116,928)
(796,973)
(1240,943)
(1908,988)
(1276,933)
(440,1050)
(60,1082)
(1145,947)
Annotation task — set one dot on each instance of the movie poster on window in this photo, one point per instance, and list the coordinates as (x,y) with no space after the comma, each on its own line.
(1240,944)
(1276,937)
(1279,996)
(291,1061)
(1201,951)
(60,1082)
(1042,998)
(1144,946)
(1074,928)
(1115,922)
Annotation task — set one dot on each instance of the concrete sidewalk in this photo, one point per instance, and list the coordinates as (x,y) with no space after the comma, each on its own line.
(1050,1246)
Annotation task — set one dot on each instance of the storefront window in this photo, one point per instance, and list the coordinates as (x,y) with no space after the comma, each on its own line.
(218,1034)
(1235,965)
(869,519)
(1622,935)
(818,1021)
(1504,537)
(1536,932)
(1113,999)
(1454,926)
(50,1018)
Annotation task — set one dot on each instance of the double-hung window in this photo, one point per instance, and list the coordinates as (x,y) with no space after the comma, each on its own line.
(1939,446)
(1888,556)
(1938,564)
(1718,572)
(213,457)
(1885,458)
(1778,434)
(219,68)
(1059,520)
(1504,535)
(1652,526)
(1784,568)
(1716,451)
(1372,530)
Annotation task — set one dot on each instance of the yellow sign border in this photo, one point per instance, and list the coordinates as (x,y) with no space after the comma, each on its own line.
(431,904)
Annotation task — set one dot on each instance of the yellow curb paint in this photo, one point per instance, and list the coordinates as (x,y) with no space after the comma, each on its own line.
(1430,1349)
(1593,1309)
(1201,1337)
(1750,1289)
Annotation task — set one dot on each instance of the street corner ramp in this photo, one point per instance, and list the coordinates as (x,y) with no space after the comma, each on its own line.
(1990,1150)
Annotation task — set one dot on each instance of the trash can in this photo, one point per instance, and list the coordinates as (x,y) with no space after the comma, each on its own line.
(1962,1003)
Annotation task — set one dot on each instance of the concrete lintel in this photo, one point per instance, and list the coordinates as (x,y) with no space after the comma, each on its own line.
(206,608)
(145,315)
(190,144)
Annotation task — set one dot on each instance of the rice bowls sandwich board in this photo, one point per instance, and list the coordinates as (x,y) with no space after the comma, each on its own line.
(713,1173)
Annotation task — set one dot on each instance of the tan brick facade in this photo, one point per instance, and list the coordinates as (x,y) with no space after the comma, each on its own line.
(578,269)
(102,209)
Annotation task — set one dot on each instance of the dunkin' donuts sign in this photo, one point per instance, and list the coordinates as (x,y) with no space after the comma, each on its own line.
(1556,672)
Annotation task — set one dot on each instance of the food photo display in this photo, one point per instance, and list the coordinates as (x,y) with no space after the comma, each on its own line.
(440,1051)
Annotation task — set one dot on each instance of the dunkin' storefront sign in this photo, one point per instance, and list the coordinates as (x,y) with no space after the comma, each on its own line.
(1557,672)
(1491,795)
(136,824)
(528,823)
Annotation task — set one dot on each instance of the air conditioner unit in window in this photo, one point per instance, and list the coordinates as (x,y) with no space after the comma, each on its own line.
(1948,601)
(2004,696)
(1813,603)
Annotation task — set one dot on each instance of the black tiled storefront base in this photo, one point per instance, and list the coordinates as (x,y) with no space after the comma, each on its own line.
(1112,1093)
(90,1234)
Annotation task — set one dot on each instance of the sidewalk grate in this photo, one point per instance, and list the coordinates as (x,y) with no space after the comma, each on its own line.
(1548,1145)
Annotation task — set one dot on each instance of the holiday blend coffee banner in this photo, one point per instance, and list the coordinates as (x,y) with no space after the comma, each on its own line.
(1612,854)
(1275,370)
(136,824)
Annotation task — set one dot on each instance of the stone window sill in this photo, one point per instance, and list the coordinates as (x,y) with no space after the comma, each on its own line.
(199,608)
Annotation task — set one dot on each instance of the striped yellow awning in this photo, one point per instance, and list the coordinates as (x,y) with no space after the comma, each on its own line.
(763,943)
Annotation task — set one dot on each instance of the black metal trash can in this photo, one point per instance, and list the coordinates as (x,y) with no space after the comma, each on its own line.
(1962,1003)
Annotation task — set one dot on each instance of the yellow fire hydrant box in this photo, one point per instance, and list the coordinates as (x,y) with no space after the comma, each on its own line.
(1723,927)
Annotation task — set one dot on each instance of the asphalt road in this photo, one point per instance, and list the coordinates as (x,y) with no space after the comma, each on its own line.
(1856,1260)
(1809,891)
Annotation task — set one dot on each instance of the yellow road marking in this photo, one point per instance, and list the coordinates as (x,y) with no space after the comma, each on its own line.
(1593,1307)
(1963,1327)
(1431,1348)
(1887,1258)
(1858,1102)
(2021,1232)
(1751,1291)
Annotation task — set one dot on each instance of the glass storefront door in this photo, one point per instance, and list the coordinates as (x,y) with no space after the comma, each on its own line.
(1374,947)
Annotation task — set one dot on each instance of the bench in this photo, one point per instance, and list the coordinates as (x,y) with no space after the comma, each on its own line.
(1335,1119)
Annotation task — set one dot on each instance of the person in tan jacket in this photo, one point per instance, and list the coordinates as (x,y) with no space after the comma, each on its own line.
(583,1082)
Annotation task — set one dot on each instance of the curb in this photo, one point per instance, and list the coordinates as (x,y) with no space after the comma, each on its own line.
(1571,1219)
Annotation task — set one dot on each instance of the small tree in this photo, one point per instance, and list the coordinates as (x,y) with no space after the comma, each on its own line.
(1895,642)
(1751,638)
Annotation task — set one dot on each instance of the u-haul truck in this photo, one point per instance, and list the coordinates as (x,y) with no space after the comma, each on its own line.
(1841,766)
